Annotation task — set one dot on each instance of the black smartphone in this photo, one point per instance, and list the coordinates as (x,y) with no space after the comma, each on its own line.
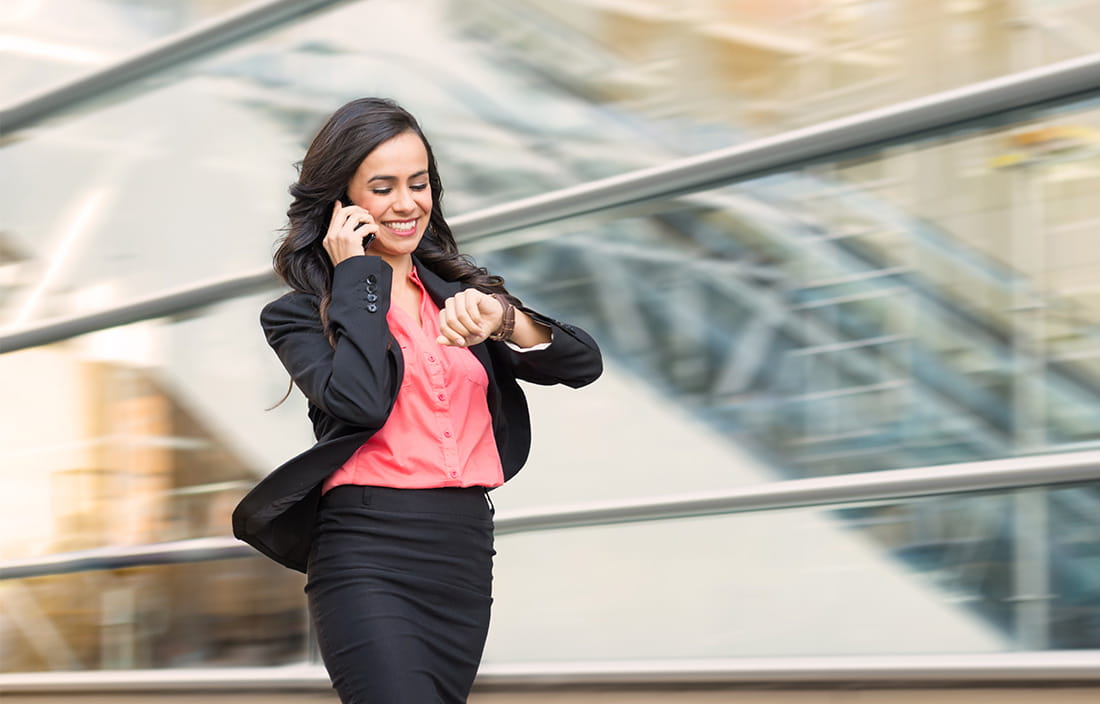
(370,237)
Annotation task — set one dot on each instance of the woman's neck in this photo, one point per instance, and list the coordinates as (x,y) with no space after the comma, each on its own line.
(404,292)
(401,266)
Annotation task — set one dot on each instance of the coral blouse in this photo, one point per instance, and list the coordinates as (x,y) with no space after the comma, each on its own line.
(439,432)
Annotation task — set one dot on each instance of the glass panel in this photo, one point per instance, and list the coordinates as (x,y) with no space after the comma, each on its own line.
(48,42)
(965,573)
(906,309)
(190,167)
(750,67)
(974,573)
(231,613)
(737,66)
(182,178)
(145,433)
(1075,567)
(152,432)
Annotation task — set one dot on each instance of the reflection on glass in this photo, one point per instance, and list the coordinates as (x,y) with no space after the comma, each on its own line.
(520,99)
(143,196)
(48,42)
(836,320)
(1075,567)
(227,613)
(947,574)
(148,433)
(762,66)
(932,575)
(144,434)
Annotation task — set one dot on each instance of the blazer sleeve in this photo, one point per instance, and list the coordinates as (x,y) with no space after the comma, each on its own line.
(356,381)
(572,358)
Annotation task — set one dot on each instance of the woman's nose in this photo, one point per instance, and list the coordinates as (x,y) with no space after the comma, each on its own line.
(404,202)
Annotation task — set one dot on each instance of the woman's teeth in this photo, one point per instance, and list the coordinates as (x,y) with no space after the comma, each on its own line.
(402,226)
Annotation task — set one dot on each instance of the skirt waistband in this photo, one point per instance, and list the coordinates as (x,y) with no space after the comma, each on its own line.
(467,501)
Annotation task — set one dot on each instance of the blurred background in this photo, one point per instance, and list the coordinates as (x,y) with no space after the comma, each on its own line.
(928,302)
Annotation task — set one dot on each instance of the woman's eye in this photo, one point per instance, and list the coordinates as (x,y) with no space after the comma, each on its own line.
(419,186)
(381,191)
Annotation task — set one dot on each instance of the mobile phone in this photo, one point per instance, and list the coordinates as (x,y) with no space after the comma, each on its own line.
(370,237)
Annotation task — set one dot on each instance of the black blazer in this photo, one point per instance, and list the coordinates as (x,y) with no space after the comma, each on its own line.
(351,389)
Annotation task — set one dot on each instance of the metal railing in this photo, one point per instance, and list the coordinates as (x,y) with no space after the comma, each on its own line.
(989,475)
(995,102)
(991,669)
(997,669)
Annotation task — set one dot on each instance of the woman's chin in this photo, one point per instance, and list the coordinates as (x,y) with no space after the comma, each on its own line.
(400,249)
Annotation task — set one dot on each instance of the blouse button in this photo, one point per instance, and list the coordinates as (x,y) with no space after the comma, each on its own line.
(447,434)
(454,474)
(442,397)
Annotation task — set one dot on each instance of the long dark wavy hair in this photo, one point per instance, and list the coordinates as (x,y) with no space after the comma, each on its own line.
(349,135)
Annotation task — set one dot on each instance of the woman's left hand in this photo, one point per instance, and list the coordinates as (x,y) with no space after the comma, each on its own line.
(469,317)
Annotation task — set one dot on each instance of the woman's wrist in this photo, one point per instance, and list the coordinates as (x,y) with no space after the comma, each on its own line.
(507,319)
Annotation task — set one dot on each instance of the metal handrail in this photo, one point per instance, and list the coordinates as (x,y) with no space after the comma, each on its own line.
(998,101)
(171,51)
(989,475)
(993,669)
(181,300)
(126,556)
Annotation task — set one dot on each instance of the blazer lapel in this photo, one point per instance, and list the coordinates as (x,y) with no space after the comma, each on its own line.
(440,290)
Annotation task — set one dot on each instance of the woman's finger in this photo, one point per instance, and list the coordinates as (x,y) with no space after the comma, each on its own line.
(474,307)
(465,307)
(455,315)
(358,225)
(347,231)
(355,218)
(448,334)
(336,208)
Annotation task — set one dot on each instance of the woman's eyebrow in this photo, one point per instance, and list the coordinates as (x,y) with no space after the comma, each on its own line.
(394,178)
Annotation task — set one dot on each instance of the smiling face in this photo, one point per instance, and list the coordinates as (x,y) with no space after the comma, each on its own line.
(392,185)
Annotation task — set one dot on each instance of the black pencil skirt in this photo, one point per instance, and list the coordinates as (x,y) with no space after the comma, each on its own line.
(400,588)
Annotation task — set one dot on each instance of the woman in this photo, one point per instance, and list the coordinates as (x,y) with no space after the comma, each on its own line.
(408,355)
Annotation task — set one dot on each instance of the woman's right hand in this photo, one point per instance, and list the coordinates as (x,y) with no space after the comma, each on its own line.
(349,225)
